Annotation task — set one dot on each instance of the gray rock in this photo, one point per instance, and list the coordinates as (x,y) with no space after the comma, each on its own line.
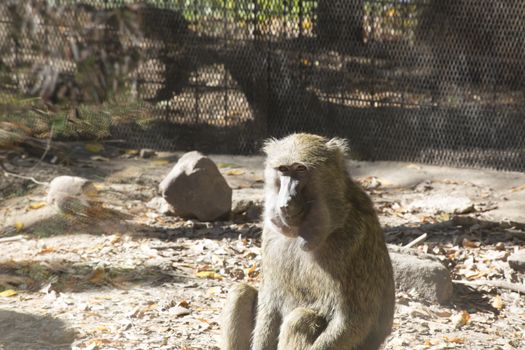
(196,188)
(423,274)
(161,206)
(73,195)
(517,261)
(146,153)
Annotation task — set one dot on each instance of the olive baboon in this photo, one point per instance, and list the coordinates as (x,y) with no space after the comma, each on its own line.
(327,277)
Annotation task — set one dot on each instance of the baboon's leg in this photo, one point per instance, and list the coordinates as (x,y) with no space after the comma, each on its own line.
(239,317)
(300,329)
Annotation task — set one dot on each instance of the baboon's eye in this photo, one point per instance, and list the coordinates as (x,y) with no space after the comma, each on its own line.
(283,169)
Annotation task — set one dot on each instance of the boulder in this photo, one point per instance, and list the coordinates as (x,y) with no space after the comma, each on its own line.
(421,273)
(196,188)
(73,195)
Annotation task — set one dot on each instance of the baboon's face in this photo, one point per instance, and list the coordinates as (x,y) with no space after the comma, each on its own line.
(290,203)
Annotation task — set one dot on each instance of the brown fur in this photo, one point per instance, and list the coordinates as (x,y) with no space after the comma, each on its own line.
(338,291)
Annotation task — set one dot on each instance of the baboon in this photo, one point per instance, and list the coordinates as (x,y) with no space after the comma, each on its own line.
(326,274)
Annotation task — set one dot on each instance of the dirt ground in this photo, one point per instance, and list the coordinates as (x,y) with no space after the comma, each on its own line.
(135,279)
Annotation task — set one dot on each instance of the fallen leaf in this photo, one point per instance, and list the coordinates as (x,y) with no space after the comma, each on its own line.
(442,217)
(46,250)
(470,244)
(252,271)
(518,188)
(98,276)
(37,205)
(209,274)
(455,340)
(497,303)
(460,319)
(227,165)
(160,162)
(19,226)
(235,172)
(184,303)
(8,293)
(132,152)
(94,147)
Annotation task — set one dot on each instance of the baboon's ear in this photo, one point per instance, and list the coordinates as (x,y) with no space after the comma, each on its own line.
(268,145)
(338,145)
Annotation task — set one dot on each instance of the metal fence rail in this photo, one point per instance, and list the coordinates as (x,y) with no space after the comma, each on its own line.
(438,81)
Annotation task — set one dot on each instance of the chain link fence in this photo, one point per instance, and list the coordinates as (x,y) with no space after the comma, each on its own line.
(438,81)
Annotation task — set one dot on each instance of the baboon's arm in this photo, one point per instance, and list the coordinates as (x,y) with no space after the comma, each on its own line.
(267,325)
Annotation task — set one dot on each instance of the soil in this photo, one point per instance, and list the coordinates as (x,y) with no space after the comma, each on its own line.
(136,279)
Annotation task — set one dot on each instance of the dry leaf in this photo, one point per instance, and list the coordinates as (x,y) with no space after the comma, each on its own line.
(132,152)
(184,303)
(227,165)
(442,217)
(8,293)
(470,244)
(518,188)
(235,172)
(160,162)
(116,238)
(37,205)
(94,147)
(460,319)
(252,271)
(209,274)
(455,340)
(497,303)
(46,250)
(19,226)
(98,276)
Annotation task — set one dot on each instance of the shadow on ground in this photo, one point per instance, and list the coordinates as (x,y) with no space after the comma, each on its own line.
(20,331)
(66,276)
(457,229)
(112,221)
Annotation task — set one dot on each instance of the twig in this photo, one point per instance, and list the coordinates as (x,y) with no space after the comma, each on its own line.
(8,173)
(520,288)
(11,239)
(416,241)
(48,147)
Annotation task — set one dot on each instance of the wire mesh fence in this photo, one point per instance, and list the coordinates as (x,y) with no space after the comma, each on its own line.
(437,81)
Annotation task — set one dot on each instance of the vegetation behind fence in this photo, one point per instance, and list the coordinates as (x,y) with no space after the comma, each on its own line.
(438,81)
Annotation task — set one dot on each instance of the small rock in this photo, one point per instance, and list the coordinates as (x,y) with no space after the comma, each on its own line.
(422,273)
(73,195)
(179,311)
(147,153)
(196,188)
(517,261)
(160,205)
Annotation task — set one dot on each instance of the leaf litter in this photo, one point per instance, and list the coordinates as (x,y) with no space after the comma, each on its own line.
(159,282)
